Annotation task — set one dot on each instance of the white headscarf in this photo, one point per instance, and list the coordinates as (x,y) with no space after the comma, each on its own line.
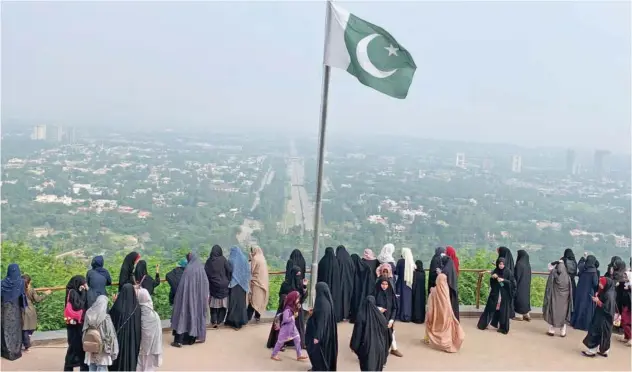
(151,329)
(409,266)
(97,317)
(386,255)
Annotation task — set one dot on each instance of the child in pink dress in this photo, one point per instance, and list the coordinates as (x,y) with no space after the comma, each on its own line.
(287,326)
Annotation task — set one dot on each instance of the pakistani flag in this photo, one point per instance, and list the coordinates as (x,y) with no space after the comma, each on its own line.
(369,53)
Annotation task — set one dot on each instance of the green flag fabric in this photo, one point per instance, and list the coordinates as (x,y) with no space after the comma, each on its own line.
(368,52)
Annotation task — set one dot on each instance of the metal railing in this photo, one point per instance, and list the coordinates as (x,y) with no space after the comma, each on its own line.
(479,282)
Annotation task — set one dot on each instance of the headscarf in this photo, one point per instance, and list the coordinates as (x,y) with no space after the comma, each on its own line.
(409,266)
(190,305)
(321,326)
(387,298)
(419,266)
(127,269)
(386,255)
(435,261)
(75,295)
(368,255)
(504,252)
(371,339)
(126,318)
(151,328)
(97,265)
(384,267)
(602,283)
(498,271)
(217,272)
(95,318)
(298,260)
(451,252)
(290,301)
(183,262)
(259,280)
(293,279)
(140,271)
(443,330)
(13,285)
(241,269)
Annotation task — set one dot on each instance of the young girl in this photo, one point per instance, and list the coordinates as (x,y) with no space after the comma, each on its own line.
(386,302)
(97,317)
(29,315)
(288,330)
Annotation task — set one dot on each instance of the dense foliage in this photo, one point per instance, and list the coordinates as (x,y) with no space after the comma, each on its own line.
(48,270)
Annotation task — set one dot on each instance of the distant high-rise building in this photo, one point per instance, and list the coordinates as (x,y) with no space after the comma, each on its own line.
(598,166)
(60,134)
(516,164)
(460,160)
(39,133)
(570,161)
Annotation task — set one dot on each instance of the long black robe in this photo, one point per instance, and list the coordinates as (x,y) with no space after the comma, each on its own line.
(372,265)
(387,299)
(218,271)
(504,252)
(125,314)
(571,268)
(362,282)
(522,301)
(371,338)
(322,326)
(173,278)
(127,270)
(600,330)
(293,282)
(498,318)
(584,307)
(78,298)
(435,263)
(347,281)
(143,279)
(298,260)
(329,272)
(237,315)
(449,270)
(419,294)
(13,303)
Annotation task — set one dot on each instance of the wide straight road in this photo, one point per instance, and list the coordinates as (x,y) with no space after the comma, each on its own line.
(299,206)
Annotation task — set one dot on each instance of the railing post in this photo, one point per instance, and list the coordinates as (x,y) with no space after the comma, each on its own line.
(479,283)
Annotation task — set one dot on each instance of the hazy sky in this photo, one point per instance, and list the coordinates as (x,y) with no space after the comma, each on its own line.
(529,73)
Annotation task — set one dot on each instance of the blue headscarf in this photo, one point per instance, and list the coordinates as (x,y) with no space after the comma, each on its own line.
(241,269)
(13,285)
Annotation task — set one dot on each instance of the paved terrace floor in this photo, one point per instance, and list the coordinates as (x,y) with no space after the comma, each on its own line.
(228,350)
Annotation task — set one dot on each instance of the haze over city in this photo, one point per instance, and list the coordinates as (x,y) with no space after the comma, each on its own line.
(526,73)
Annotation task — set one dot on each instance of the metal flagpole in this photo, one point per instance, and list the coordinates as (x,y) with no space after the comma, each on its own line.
(321,155)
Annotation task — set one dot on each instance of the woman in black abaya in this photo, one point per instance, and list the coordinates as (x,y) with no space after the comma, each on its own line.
(368,257)
(127,269)
(371,338)
(584,307)
(435,263)
(143,279)
(387,303)
(600,332)
(298,260)
(329,272)
(218,271)
(522,301)
(450,272)
(363,280)
(499,302)
(347,279)
(125,314)
(419,294)
(504,252)
(321,335)
(77,296)
(293,282)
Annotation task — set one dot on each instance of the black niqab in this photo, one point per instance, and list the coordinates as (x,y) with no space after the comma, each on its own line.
(322,326)
(329,272)
(419,294)
(218,271)
(522,302)
(447,268)
(127,270)
(435,263)
(298,260)
(125,314)
(347,281)
(371,338)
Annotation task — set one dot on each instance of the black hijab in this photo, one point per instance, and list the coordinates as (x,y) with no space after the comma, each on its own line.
(298,260)
(504,252)
(321,326)
(329,272)
(447,268)
(218,273)
(419,294)
(591,264)
(75,294)
(293,281)
(618,267)
(125,314)
(386,298)
(347,279)
(140,271)
(127,269)
(371,338)
(435,263)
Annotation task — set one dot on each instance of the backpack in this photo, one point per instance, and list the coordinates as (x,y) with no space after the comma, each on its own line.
(92,342)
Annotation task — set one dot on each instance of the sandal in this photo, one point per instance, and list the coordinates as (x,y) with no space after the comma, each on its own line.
(302,357)
(276,358)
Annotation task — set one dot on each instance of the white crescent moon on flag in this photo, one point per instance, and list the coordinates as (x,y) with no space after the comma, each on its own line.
(363,59)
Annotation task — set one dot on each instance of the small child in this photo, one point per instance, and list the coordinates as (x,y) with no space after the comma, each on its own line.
(29,315)
(287,326)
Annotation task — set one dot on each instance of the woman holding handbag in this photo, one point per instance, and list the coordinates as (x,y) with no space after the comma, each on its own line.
(76,298)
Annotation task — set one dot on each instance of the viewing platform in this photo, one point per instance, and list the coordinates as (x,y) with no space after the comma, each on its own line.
(526,347)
